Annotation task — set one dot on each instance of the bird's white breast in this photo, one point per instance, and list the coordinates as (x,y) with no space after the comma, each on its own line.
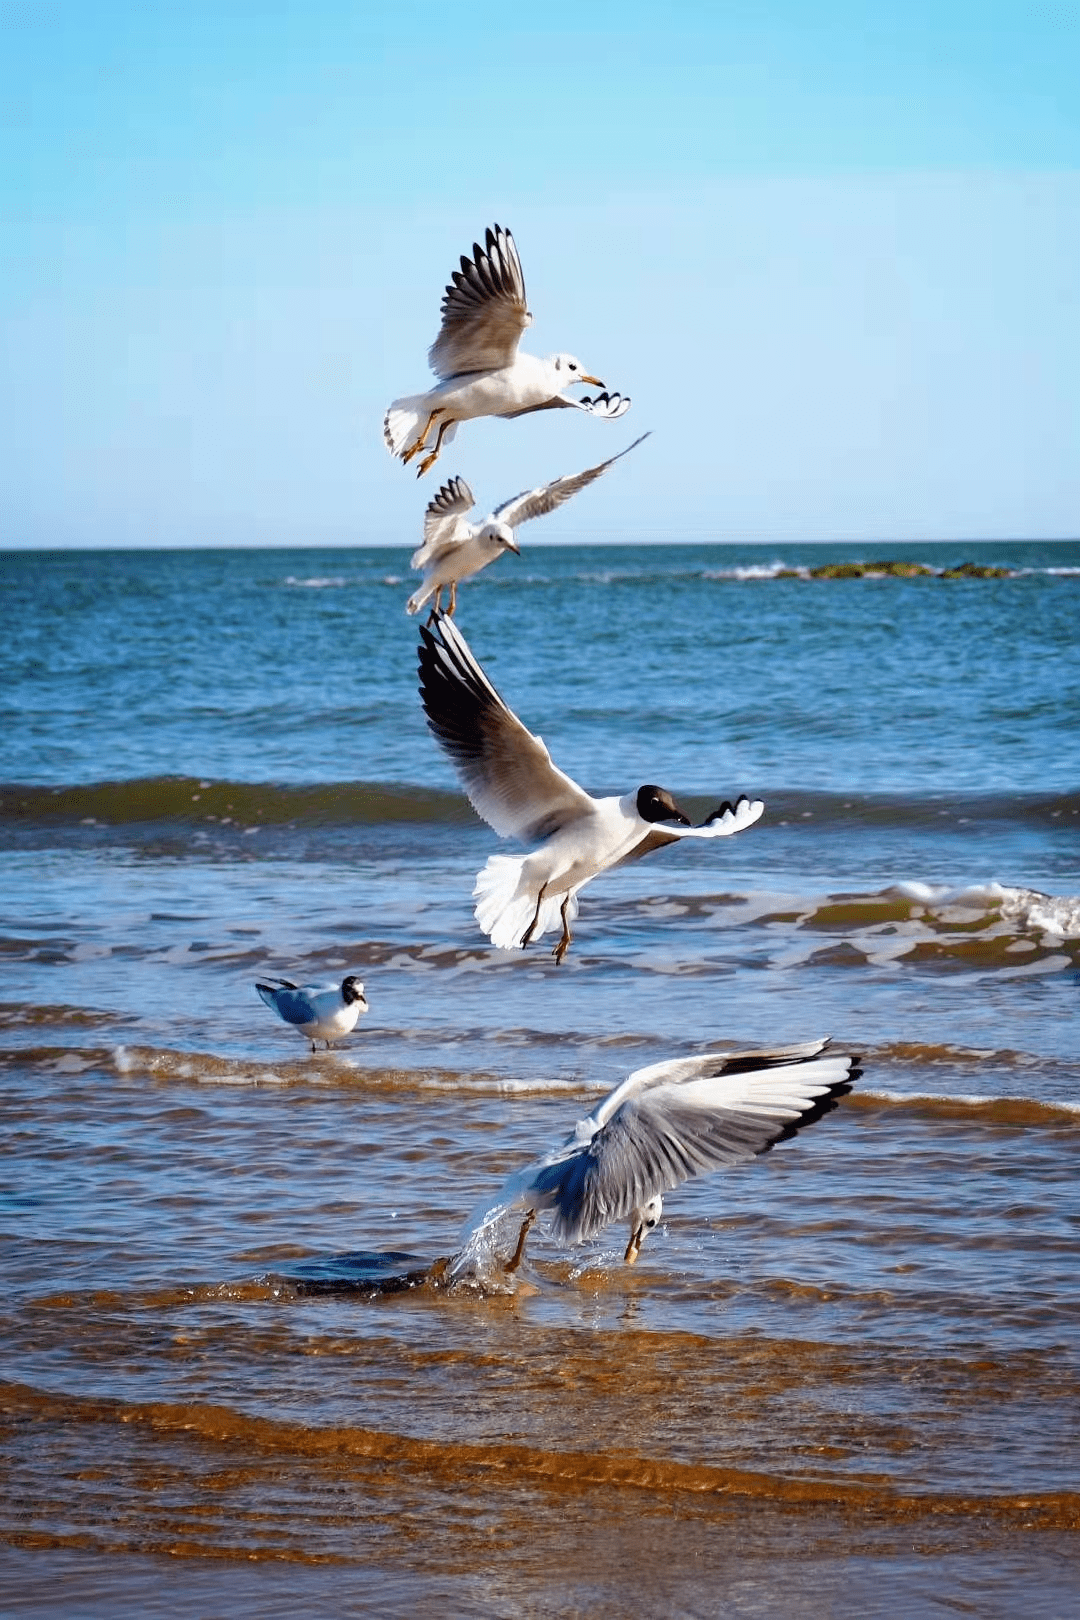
(590,844)
(529,381)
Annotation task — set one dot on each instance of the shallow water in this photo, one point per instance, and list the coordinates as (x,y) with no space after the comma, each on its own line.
(841,1380)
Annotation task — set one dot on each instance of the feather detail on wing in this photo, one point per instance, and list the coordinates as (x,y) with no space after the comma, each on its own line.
(483,310)
(454,499)
(289,1003)
(725,820)
(675,1127)
(507,772)
(607,406)
(534,503)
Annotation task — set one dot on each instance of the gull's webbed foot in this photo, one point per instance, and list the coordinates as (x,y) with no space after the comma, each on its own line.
(519,1253)
(418,444)
(526,937)
(429,461)
(564,944)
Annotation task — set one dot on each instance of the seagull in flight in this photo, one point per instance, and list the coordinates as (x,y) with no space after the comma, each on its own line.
(476,359)
(662,1126)
(322,1012)
(454,548)
(512,783)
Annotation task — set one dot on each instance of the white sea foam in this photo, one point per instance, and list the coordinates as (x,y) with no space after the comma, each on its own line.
(1024,909)
(497,1086)
(756,571)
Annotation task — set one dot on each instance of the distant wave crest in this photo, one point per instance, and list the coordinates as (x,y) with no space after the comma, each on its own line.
(194,799)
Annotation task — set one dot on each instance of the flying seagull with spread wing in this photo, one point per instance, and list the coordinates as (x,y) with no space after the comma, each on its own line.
(512,783)
(662,1126)
(454,548)
(476,359)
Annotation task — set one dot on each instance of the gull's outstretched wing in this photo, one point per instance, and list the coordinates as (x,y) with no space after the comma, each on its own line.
(608,406)
(726,819)
(506,771)
(534,503)
(680,1120)
(440,519)
(483,310)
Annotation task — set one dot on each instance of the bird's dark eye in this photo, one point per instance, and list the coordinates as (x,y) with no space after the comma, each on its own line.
(572,366)
(651,1223)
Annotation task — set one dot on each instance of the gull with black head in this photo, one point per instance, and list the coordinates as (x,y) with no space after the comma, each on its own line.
(476,359)
(513,784)
(322,1012)
(454,548)
(662,1126)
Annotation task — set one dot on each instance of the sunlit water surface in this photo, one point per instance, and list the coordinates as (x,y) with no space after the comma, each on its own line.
(843,1379)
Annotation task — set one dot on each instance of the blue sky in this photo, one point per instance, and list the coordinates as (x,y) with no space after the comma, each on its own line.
(830,250)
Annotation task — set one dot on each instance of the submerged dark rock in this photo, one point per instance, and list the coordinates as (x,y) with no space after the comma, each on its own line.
(970,570)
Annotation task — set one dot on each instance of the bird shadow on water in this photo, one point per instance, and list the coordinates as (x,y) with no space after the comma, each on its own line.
(370,1274)
(363,1274)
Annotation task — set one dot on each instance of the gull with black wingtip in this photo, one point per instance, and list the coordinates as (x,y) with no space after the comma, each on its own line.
(454,548)
(476,359)
(512,783)
(662,1126)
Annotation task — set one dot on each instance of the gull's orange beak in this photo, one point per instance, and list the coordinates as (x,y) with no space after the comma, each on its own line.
(594,380)
(633,1248)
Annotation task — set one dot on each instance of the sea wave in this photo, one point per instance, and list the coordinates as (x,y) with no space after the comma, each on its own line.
(232,1431)
(975,1107)
(236,804)
(349,1070)
(240,804)
(337,582)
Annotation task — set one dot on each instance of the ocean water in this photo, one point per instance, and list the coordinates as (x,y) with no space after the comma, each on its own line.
(841,1380)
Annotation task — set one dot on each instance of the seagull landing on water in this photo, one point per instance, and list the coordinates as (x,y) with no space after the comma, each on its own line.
(476,359)
(322,1012)
(454,548)
(512,783)
(662,1126)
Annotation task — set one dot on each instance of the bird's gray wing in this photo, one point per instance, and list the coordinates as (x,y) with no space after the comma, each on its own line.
(483,310)
(454,499)
(726,819)
(691,1116)
(507,772)
(534,503)
(607,406)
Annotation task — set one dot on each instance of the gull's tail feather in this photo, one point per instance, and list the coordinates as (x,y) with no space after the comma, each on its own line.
(504,906)
(402,422)
(268,994)
(506,903)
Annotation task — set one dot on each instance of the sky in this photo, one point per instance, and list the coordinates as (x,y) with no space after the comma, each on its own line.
(831,251)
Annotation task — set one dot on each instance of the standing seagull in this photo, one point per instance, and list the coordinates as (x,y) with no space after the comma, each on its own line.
(662,1126)
(323,1012)
(512,783)
(476,359)
(454,548)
